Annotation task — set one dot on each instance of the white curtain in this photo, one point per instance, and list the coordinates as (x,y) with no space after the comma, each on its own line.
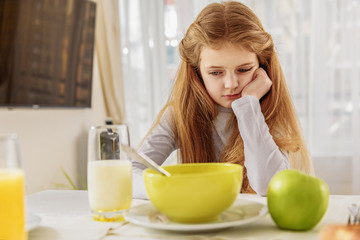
(334,84)
(144,63)
(318,45)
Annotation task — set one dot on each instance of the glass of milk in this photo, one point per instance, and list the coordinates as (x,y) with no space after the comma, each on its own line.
(109,173)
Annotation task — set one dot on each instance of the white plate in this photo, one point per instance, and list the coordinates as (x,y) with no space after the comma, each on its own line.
(32,221)
(240,213)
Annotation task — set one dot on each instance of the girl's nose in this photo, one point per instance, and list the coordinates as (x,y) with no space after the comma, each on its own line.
(231,81)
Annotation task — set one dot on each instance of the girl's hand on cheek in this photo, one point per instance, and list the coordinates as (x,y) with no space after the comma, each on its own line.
(259,86)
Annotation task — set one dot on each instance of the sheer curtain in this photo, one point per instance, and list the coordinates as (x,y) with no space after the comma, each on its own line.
(144,63)
(318,46)
(334,85)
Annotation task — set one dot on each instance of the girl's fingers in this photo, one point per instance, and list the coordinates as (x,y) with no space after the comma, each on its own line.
(259,86)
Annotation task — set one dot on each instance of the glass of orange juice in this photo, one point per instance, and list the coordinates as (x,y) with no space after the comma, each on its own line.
(109,173)
(12,208)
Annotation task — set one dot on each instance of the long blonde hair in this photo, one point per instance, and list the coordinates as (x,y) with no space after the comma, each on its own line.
(194,110)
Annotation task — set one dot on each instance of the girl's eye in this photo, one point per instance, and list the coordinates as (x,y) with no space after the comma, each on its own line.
(244,69)
(215,73)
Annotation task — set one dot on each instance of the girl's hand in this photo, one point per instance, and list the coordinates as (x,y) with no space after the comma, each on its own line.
(259,85)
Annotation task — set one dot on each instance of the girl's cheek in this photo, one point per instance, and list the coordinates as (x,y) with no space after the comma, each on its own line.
(246,80)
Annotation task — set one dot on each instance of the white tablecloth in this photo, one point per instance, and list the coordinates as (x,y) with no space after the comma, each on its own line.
(65,215)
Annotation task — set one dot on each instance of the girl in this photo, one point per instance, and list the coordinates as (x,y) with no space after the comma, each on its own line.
(229,102)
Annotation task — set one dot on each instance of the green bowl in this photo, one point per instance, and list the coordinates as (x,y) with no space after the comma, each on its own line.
(196,192)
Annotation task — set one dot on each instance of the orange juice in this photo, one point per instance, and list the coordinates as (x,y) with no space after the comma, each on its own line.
(12,212)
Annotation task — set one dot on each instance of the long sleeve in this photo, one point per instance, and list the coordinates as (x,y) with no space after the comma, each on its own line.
(262,156)
(158,146)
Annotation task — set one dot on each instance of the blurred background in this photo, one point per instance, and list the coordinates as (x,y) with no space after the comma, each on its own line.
(135,60)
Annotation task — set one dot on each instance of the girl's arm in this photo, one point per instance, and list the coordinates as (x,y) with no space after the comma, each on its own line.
(262,156)
(159,144)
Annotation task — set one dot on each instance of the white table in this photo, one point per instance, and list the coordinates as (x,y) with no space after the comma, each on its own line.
(65,215)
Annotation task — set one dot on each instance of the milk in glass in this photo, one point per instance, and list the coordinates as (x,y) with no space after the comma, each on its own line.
(109,185)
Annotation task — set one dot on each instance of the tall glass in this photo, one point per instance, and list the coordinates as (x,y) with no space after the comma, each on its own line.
(109,172)
(12,208)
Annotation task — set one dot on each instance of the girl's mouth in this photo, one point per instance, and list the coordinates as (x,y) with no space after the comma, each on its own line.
(232,96)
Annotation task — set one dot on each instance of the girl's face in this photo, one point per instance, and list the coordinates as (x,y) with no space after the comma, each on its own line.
(226,71)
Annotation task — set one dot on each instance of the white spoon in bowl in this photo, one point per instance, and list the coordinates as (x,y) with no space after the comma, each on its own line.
(142,158)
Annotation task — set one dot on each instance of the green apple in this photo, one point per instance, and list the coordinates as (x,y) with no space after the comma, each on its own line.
(297,201)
